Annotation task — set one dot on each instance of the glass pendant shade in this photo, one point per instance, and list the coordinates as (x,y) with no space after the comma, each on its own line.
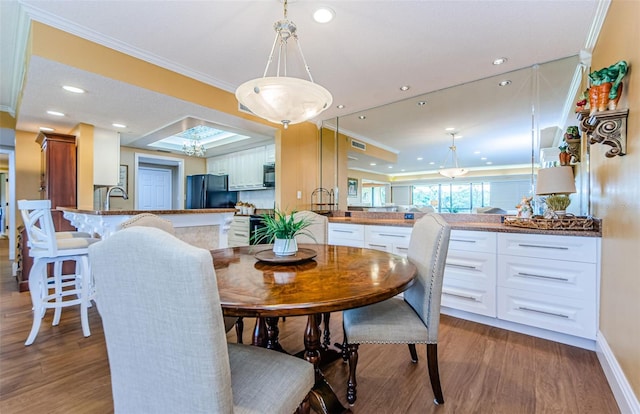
(454,171)
(283,99)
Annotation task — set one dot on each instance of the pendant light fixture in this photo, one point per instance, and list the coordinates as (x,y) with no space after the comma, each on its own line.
(284,99)
(455,170)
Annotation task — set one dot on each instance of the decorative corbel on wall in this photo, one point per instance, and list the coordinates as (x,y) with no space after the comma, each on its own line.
(606,127)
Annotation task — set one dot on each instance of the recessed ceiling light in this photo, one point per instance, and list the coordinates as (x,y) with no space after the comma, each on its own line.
(449,129)
(340,106)
(46,129)
(483,158)
(323,15)
(373,164)
(431,163)
(422,103)
(404,88)
(476,152)
(500,61)
(505,83)
(72,89)
(119,125)
(391,166)
(55,113)
(489,163)
(362,117)
(419,158)
(403,170)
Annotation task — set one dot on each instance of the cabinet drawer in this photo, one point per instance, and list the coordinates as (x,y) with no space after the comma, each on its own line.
(385,247)
(577,249)
(470,297)
(471,266)
(549,277)
(566,315)
(351,234)
(477,241)
(388,234)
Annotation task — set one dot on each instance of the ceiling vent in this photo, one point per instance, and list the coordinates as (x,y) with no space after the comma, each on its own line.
(359,145)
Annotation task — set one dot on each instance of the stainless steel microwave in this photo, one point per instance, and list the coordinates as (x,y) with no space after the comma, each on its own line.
(269,176)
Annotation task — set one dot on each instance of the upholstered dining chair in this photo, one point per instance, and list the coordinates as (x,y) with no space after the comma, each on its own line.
(411,320)
(153,220)
(46,246)
(163,325)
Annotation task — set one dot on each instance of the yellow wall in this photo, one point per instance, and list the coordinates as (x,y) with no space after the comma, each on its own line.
(27,153)
(615,197)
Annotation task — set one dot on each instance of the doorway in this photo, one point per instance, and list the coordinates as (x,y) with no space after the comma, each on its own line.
(8,198)
(159,181)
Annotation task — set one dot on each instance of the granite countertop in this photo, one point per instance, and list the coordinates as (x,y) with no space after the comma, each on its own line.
(134,212)
(475,222)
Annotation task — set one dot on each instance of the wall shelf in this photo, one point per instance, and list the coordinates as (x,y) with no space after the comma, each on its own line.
(608,128)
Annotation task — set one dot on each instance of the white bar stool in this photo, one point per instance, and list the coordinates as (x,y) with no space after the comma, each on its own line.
(46,246)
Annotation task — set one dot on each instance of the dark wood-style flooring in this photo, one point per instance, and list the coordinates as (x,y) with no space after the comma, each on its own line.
(483,369)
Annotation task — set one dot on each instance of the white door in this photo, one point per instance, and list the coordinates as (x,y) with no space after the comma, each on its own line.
(154,189)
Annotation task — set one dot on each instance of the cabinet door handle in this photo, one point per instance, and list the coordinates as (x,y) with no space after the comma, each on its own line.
(538,246)
(402,248)
(463,240)
(342,231)
(240,234)
(560,315)
(461,266)
(393,235)
(378,245)
(562,279)
(457,295)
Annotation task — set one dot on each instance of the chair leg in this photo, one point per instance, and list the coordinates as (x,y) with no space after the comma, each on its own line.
(239,329)
(57,286)
(304,407)
(434,375)
(414,354)
(37,283)
(344,348)
(83,264)
(326,339)
(352,383)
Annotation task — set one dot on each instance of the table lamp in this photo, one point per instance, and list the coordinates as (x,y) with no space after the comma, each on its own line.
(556,183)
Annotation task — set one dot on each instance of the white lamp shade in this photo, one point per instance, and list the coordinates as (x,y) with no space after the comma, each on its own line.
(284,99)
(453,172)
(555,180)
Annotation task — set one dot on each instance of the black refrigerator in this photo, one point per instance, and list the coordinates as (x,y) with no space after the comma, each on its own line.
(210,191)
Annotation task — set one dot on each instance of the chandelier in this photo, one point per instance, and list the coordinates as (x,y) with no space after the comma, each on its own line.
(283,99)
(194,148)
(192,136)
(455,170)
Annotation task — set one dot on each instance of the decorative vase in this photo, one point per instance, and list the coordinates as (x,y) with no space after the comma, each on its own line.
(565,158)
(285,247)
(613,103)
(603,96)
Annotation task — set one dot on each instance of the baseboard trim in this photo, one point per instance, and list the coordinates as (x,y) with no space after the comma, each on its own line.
(624,395)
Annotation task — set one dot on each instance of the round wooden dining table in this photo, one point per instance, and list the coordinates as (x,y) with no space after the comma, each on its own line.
(319,279)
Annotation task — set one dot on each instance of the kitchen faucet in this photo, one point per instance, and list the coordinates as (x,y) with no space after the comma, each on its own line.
(117,187)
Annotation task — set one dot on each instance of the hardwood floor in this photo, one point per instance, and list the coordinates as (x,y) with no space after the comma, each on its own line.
(483,369)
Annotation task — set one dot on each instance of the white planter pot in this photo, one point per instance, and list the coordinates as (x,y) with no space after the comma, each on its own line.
(285,247)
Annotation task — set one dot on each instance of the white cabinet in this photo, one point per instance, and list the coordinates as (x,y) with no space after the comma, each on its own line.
(549,282)
(246,169)
(470,272)
(342,234)
(239,231)
(106,160)
(392,239)
(270,153)
(218,165)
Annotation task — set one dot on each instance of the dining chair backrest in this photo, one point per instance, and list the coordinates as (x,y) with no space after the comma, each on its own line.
(41,234)
(318,228)
(428,249)
(160,308)
(148,220)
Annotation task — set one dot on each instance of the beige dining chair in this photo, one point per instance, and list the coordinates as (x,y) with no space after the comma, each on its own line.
(153,220)
(163,326)
(411,320)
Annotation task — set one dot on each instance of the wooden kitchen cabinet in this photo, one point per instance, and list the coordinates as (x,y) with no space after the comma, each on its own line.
(58,184)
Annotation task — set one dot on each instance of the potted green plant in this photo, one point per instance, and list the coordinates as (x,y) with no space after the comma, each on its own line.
(281,229)
(558,203)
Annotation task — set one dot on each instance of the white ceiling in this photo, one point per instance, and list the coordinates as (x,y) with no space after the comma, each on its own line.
(362,57)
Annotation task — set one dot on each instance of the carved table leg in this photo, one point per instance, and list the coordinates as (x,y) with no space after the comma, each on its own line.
(260,333)
(272,334)
(323,398)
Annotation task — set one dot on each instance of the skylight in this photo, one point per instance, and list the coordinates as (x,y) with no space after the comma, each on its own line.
(205,135)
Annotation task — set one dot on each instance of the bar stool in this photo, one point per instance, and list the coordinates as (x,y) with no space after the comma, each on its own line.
(45,247)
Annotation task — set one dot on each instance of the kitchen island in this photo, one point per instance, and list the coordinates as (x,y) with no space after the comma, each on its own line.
(206,228)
